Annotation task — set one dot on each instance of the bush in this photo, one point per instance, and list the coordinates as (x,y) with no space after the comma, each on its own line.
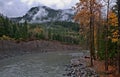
(4,37)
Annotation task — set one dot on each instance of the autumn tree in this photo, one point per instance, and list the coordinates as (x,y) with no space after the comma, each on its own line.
(88,11)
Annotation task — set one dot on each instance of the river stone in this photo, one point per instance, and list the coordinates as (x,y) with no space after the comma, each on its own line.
(75,62)
(78,68)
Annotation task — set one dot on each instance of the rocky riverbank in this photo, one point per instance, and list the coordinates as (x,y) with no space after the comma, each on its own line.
(12,48)
(78,68)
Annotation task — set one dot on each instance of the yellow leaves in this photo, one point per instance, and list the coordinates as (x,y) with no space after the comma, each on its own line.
(36,30)
(4,37)
(115,36)
(113,20)
(114,40)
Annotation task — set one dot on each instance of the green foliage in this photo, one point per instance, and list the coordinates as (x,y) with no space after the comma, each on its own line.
(40,36)
(66,32)
(111,47)
(70,25)
(101,52)
(111,50)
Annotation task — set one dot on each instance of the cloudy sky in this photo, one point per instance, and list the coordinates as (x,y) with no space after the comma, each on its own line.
(13,8)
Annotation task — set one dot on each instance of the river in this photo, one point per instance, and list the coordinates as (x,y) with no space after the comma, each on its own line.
(50,64)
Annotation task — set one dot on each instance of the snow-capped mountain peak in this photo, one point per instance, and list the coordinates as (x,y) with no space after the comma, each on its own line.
(45,14)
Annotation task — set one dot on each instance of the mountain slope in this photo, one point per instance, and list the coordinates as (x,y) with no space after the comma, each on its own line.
(43,14)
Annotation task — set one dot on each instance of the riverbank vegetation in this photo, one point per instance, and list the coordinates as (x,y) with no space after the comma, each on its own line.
(101,29)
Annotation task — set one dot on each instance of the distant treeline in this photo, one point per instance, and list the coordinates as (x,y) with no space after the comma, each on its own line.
(67,32)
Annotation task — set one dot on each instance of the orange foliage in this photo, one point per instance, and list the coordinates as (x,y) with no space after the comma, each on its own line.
(83,15)
(83,12)
(113,21)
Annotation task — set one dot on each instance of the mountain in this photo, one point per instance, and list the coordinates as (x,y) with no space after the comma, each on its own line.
(41,14)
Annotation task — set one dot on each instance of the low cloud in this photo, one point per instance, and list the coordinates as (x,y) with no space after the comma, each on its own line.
(14,8)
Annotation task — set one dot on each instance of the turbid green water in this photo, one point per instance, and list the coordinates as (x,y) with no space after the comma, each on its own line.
(50,64)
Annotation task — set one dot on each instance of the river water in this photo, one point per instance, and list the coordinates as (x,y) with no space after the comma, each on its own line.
(50,64)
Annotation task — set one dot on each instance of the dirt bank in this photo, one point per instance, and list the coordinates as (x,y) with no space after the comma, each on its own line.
(11,48)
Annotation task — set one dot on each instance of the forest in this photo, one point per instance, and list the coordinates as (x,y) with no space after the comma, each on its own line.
(67,32)
(103,28)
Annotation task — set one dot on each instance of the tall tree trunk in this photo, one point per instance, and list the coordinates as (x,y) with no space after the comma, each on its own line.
(118,3)
(106,39)
(93,39)
(98,33)
(91,33)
